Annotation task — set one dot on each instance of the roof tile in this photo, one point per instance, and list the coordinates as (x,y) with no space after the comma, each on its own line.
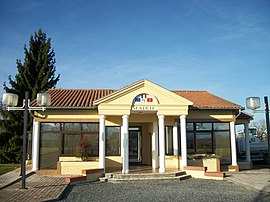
(72,98)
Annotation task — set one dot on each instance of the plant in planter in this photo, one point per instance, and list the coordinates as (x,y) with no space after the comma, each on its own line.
(83,150)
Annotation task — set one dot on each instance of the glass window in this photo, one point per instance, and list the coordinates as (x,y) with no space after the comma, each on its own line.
(72,127)
(71,143)
(67,139)
(50,149)
(50,127)
(113,136)
(190,127)
(203,126)
(190,143)
(179,138)
(81,139)
(222,146)
(90,127)
(204,142)
(221,126)
(89,144)
(169,140)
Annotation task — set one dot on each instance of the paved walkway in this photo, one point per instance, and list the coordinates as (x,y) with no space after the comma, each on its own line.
(39,187)
(255,179)
(13,176)
(50,187)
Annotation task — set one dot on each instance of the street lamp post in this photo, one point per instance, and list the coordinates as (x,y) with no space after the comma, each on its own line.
(253,103)
(11,100)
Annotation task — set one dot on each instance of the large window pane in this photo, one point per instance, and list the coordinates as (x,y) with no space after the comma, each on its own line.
(90,127)
(221,126)
(169,140)
(204,142)
(50,127)
(50,145)
(190,143)
(203,126)
(222,146)
(71,144)
(190,127)
(89,144)
(113,141)
(72,127)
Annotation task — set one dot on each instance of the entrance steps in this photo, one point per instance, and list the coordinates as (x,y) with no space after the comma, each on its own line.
(118,177)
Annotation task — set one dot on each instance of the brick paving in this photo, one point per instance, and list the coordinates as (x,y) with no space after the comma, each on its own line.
(12,176)
(255,179)
(39,188)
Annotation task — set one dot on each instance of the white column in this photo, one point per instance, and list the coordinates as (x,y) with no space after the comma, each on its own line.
(155,146)
(161,143)
(247,145)
(125,139)
(102,119)
(183,141)
(175,139)
(233,144)
(35,145)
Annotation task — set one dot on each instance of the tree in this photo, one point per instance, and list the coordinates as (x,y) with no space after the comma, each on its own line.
(36,74)
(260,126)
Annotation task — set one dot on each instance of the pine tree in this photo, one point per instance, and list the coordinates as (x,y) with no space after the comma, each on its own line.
(36,74)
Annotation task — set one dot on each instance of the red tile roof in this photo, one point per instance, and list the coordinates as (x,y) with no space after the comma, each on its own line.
(79,98)
(76,97)
(204,99)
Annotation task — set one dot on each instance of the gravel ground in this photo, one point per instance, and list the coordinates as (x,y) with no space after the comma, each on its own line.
(188,190)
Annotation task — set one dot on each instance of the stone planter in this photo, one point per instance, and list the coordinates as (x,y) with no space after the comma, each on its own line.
(212,164)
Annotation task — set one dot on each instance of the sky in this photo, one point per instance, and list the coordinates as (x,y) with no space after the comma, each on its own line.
(215,45)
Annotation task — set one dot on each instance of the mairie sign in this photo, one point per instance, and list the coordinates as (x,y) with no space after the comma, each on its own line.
(144,108)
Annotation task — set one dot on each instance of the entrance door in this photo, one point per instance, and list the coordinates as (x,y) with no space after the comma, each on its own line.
(135,145)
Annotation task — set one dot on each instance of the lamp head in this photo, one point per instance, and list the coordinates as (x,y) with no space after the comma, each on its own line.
(10,99)
(43,99)
(253,103)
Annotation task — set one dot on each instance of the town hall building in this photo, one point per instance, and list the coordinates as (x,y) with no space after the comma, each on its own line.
(141,124)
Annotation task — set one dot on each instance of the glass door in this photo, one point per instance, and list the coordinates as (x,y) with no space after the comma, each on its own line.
(135,145)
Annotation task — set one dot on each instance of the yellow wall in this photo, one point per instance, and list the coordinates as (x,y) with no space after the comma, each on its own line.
(67,116)
(211,115)
(92,116)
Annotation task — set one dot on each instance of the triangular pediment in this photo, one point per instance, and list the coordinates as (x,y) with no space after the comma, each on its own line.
(142,93)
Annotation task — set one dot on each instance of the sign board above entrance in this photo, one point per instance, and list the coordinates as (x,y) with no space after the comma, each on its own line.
(144,108)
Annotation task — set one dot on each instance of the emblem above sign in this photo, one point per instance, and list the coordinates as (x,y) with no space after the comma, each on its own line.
(144,102)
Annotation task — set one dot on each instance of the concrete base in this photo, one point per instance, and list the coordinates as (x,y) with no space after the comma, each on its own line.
(245,165)
(232,168)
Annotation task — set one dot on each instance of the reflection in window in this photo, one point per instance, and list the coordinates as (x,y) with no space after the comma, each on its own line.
(50,146)
(190,127)
(190,143)
(203,126)
(71,142)
(208,138)
(72,127)
(67,139)
(50,127)
(169,140)
(221,126)
(113,141)
(204,142)
(222,146)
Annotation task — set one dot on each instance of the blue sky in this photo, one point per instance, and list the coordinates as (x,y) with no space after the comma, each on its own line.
(219,46)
